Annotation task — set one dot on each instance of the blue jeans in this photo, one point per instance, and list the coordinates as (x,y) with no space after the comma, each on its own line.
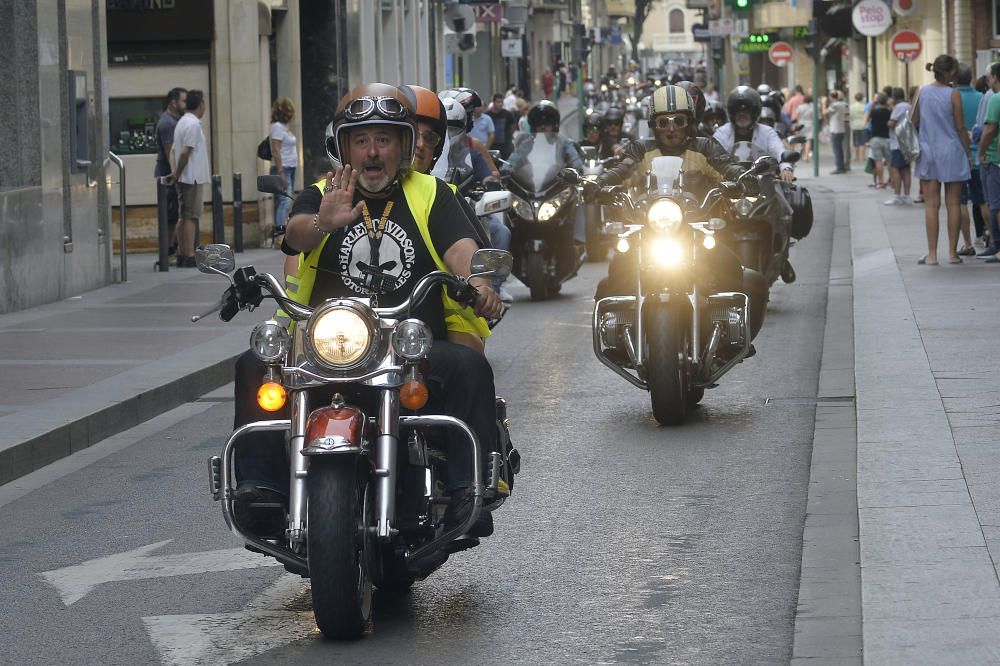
(838,149)
(283,205)
(500,238)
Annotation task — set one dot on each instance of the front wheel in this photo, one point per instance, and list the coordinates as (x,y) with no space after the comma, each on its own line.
(668,345)
(340,548)
(538,279)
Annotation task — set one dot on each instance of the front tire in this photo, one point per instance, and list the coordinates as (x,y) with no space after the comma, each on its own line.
(668,348)
(340,548)
(538,279)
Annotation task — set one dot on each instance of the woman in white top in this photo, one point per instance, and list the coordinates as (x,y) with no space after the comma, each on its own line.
(804,117)
(284,158)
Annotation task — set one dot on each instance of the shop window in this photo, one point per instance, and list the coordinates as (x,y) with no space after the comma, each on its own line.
(676,21)
(133,124)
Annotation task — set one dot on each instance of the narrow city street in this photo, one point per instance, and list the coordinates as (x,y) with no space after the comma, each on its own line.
(624,541)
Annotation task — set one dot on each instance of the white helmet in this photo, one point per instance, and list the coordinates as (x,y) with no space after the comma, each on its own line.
(455,113)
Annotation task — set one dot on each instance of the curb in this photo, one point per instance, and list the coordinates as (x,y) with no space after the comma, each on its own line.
(828,622)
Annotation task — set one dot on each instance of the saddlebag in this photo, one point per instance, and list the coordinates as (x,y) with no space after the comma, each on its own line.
(802,212)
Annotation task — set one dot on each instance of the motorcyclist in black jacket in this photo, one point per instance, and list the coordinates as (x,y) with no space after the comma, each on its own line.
(706,163)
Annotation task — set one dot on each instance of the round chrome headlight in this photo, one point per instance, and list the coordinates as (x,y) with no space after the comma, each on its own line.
(340,337)
(412,339)
(665,215)
(269,341)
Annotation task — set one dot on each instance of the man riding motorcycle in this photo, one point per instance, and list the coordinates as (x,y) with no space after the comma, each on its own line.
(613,138)
(671,120)
(376,226)
(698,99)
(715,116)
(744,106)
(593,126)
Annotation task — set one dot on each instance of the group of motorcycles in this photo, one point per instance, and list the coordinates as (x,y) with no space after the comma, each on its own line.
(366,502)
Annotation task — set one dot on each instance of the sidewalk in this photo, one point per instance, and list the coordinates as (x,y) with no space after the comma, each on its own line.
(927,465)
(91,366)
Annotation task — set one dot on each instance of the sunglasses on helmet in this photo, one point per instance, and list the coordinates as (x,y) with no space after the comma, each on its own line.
(363,108)
(662,122)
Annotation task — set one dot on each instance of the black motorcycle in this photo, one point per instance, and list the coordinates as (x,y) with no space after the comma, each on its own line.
(542,216)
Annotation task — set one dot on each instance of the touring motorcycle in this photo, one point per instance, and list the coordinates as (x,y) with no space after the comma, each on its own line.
(366,503)
(675,334)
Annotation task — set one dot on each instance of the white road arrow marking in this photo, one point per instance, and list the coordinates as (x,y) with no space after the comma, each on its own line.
(75,582)
(280,615)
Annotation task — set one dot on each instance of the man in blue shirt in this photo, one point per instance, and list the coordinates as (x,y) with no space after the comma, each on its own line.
(482,127)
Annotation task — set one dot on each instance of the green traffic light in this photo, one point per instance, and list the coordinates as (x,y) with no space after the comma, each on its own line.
(742,4)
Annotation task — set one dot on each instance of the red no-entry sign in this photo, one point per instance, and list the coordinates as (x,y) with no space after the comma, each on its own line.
(907,46)
(780,53)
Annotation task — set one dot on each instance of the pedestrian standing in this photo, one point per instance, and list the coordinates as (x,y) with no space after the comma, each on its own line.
(836,113)
(879,117)
(172,112)
(899,167)
(482,126)
(191,173)
(803,115)
(284,159)
(547,82)
(503,126)
(972,191)
(859,132)
(989,158)
(944,154)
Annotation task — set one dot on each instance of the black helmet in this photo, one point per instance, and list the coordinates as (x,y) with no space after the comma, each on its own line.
(744,98)
(697,96)
(543,113)
(767,116)
(614,116)
(774,101)
(593,120)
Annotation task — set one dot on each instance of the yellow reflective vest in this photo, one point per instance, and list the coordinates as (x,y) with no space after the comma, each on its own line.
(419,190)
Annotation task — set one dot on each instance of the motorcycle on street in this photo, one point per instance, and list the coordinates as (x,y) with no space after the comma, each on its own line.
(675,334)
(366,504)
(543,215)
(761,229)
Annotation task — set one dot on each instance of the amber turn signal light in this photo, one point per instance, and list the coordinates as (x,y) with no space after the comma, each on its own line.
(271,396)
(413,394)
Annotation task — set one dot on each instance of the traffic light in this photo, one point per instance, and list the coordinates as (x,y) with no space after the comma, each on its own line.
(741,5)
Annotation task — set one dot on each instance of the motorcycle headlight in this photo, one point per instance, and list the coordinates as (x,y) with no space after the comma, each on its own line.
(412,339)
(744,206)
(522,209)
(340,337)
(269,341)
(665,215)
(550,207)
(666,252)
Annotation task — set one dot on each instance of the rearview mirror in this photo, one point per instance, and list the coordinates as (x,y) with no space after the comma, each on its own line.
(215,258)
(570,176)
(494,202)
(797,140)
(791,156)
(764,164)
(492,263)
(271,185)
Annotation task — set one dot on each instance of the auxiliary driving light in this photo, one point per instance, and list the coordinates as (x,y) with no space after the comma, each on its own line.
(412,339)
(708,242)
(269,341)
(623,245)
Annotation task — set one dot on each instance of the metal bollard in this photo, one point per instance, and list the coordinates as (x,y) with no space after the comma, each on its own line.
(218,221)
(238,212)
(162,227)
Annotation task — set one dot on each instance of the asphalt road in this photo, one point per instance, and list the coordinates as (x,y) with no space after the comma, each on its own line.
(624,542)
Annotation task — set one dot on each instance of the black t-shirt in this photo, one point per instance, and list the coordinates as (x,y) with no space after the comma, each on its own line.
(880,122)
(401,251)
(503,125)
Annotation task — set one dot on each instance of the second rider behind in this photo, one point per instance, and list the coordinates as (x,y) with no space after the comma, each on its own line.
(744,106)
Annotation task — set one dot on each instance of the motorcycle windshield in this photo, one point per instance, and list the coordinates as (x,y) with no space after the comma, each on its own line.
(537,160)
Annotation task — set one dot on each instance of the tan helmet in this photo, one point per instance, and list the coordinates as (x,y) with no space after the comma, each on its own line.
(670,99)
(373,104)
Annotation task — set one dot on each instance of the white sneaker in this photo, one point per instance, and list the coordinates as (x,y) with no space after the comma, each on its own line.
(895,201)
(905,199)
(505,296)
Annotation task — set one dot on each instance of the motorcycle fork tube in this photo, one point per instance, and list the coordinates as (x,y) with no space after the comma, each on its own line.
(385,461)
(695,296)
(640,340)
(299,465)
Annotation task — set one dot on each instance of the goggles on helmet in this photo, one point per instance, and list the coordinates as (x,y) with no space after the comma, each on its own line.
(363,108)
(663,121)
